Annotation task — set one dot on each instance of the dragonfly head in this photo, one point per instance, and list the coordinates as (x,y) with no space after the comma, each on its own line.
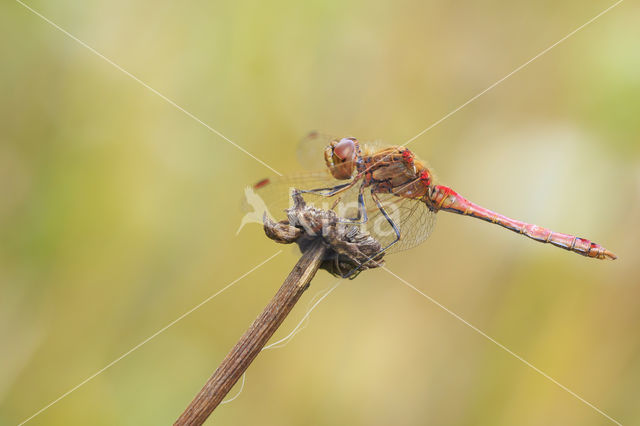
(340,157)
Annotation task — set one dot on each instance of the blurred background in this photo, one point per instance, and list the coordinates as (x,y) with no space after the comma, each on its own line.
(118,213)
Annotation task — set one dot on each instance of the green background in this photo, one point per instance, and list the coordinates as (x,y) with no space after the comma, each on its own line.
(118,212)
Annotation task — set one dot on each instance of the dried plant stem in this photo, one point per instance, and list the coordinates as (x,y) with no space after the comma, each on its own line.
(254,339)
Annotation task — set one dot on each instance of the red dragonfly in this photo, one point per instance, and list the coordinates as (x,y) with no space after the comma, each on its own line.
(394,196)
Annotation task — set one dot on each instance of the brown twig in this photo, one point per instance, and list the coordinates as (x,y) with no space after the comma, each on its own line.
(254,339)
(326,242)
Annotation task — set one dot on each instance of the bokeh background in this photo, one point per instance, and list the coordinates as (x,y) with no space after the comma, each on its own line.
(118,213)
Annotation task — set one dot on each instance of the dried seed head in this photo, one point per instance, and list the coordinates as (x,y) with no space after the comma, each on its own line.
(350,251)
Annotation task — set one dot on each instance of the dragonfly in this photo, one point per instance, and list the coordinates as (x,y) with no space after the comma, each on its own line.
(395,197)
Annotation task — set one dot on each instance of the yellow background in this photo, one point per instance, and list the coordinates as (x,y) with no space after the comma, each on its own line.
(118,212)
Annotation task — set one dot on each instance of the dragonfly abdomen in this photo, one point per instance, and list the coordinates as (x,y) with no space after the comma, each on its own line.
(444,198)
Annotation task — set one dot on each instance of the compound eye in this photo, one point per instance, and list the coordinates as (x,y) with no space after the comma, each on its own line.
(345,149)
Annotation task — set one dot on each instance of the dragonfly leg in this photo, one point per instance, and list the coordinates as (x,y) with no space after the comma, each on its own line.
(362,217)
(391,222)
(352,274)
(330,191)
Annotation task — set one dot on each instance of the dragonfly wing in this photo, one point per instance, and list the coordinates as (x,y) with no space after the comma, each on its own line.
(310,149)
(274,194)
(413,218)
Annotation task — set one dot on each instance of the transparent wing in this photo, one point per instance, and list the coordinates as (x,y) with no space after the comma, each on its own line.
(310,150)
(414,220)
(274,194)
